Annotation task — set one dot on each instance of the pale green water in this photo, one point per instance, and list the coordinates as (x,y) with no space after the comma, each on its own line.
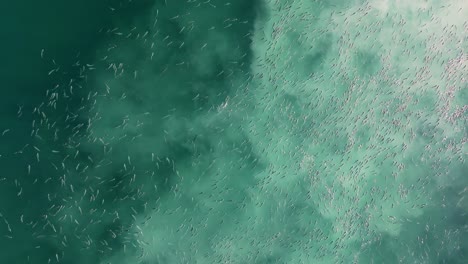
(242,132)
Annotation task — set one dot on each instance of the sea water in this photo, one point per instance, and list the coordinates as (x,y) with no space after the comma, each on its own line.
(249,131)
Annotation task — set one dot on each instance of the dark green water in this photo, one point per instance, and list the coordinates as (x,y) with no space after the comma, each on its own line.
(233,132)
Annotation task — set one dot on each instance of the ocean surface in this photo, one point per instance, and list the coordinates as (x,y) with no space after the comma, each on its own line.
(242,131)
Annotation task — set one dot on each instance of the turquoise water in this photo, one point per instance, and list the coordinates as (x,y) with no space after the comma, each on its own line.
(234,132)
